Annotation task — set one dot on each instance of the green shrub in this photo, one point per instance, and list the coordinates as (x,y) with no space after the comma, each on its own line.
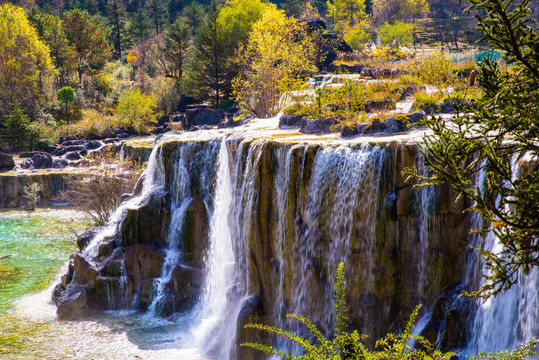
(136,110)
(397,34)
(16,127)
(436,69)
(348,345)
(423,100)
(93,123)
(465,92)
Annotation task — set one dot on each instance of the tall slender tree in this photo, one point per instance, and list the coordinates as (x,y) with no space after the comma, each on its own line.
(212,57)
(140,26)
(117,20)
(177,48)
(158,11)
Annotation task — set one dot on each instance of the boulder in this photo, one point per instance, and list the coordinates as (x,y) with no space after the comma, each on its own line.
(29,154)
(370,72)
(74,142)
(26,164)
(65,149)
(354,130)
(146,289)
(183,287)
(85,271)
(200,127)
(318,126)
(111,268)
(454,336)
(142,261)
(330,44)
(388,127)
(229,123)
(201,116)
(6,162)
(415,117)
(84,239)
(378,105)
(59,163)
(56,292)
(316,24)
(185,101)
(72,303)
(73,156)
(290,121)
(163,120)
(106,248)
(93,145)
(64,139)
(208,117)
(42,161)
(446,107)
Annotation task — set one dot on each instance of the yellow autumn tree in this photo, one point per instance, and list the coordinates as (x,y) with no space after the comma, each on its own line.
(25,62)
(346,13)
(275,59)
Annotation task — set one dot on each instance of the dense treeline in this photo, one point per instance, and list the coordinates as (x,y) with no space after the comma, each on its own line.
(88,66)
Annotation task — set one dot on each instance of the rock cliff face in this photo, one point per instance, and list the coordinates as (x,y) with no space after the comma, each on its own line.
(290,211)
(12,187)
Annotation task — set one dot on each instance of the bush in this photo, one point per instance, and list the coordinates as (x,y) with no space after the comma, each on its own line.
(349,345)
(98,195)
(136,110)
(423,100)
(437,70)
(32,195)
(384,53)
(93,123)
(357,36)
(395,35)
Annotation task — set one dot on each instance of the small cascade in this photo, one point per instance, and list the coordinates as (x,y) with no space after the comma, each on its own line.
(427,197)
(173,257)
(511,317)
(154,179)
(193,172)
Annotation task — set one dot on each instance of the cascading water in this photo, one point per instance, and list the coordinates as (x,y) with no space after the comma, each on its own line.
(223,296)
(154,179)
(427,197)
(279,218)
(511,317)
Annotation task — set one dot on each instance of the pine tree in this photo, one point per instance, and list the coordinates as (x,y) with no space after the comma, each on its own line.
(177,48)
(16,126)
(117,19)
(158,11)
(212,57)
(140,26)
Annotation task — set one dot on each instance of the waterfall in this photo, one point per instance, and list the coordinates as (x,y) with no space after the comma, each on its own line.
(511,317)
(340,191)
(426,221)
(223,296)
(193,171)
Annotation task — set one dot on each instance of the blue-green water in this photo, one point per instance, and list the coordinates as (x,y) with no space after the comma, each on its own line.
(33,248)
